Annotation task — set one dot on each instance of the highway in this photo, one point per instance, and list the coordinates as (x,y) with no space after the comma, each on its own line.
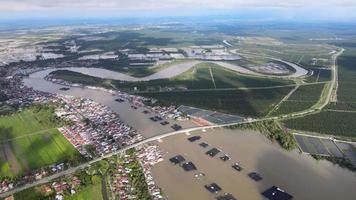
(324,101)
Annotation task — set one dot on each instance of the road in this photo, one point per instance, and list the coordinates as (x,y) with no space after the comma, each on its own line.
(335,76)
(332,88)
(84,165)
(159,137)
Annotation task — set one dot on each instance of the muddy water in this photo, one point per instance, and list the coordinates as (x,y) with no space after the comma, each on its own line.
(298,174)
(169,72)
(134,118)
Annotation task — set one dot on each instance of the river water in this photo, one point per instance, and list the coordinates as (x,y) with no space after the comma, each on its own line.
(132,117)
(169,72)
(298,174)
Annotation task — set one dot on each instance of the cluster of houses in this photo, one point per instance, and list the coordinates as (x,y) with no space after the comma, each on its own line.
(149,155)
(95,125)
(6,185)
(35,175)
(121,182)
(20,95)
(210,52)
(137,101)
(149,103)
(17,50)
(153,56)
(92,124)
(61,187)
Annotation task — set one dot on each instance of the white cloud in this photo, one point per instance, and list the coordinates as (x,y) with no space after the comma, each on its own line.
(127,5)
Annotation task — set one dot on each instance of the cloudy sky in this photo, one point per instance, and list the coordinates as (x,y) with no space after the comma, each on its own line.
(130,8)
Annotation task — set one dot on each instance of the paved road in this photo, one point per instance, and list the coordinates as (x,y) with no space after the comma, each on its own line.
(333,84)
(335,76)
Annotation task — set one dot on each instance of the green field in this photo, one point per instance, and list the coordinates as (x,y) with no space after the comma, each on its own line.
(30,194)
(303,98)
(89,192)
(307,93)
(326,122)
(337,118)
(243,102)
(319,75)
(346,94)
(198,77)
(292,106)
(30,140)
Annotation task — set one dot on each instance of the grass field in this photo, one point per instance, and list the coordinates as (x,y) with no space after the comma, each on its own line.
(326,122)
(337,118)
(303,98)
(89,192)
(319,75)
(347,74)
(30,194)
(242,102)
(30,140)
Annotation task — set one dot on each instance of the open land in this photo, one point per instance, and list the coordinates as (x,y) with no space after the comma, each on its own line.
(303,98)
(30,140)
(244,102)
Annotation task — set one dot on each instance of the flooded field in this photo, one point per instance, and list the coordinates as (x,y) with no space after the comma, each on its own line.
(298,174)
(132,117)
(326,147)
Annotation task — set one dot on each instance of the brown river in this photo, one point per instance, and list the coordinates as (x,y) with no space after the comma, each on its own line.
(298,174)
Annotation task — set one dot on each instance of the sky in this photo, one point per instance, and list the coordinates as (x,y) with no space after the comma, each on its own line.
(264,9)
